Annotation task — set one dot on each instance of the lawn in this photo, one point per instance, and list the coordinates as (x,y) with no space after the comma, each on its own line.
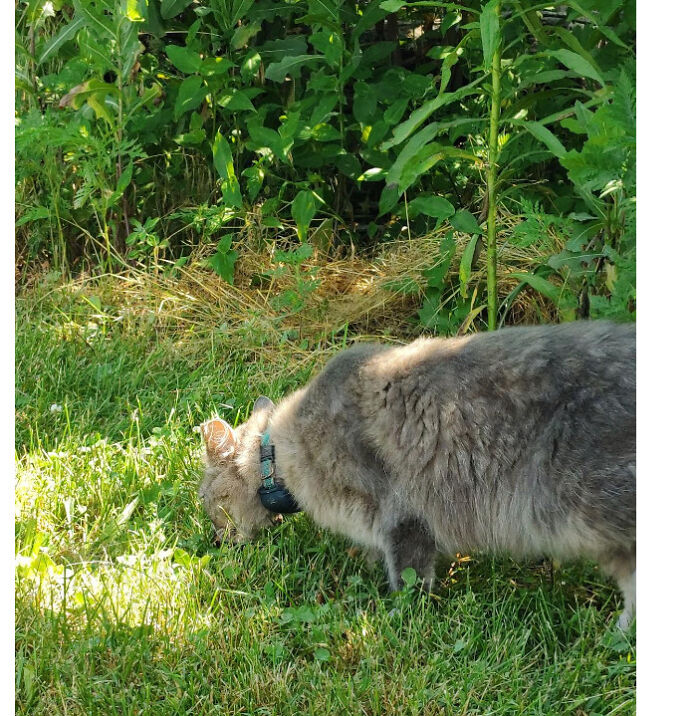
(124,606)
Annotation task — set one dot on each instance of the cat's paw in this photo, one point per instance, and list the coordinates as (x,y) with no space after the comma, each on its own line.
(625,620)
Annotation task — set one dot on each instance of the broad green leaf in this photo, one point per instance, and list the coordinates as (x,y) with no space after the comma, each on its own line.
(428,314)
(465,265)
(277,50)
(572,42)
(489,24)
(388,199)
(136,10)
(149,94)
(392,5)
(322,654)
(427,157)
(364,105)
(223,161)
(395,111)
(215,66)
(348,164)
(409,576)
(295,256)
(303,210)
(452,17)
(539,131)
(254,181)
(265,137)
(251,65)
(277,71)
(234,100)
(80,93)
(224,244)
(96,50)
(242,35)
(67,33)
(435,206)
(190,95)
(326,9)
(154,23)
(436,274)
(124,179)
(98,102)
(289,129)
(171,8)
(373,174)
(33,214)
(129,46)
(98,15)
(413,146)
(323,108)
(379,130)
(192,138)
(465,222)
(418,116)
(330,44)
(372,13)
(224,264)
(610,34)
(446,71)
(323,132)
(186,60)
(578,64)
(541,285)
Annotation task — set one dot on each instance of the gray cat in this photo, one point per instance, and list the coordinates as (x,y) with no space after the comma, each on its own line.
(520,441)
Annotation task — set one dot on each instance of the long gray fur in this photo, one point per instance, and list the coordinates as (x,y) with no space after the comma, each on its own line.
(520,441)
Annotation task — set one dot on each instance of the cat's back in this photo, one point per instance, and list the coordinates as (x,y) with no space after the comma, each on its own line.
(490,393)
(504,396)
(514,364)
(511,428)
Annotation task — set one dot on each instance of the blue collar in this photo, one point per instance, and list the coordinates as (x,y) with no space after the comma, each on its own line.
(274,497)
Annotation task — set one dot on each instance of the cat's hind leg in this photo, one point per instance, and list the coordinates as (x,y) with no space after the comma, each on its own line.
(623,567)
(409,543)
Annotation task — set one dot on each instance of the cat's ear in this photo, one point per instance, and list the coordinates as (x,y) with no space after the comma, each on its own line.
(263,403)
(218,438)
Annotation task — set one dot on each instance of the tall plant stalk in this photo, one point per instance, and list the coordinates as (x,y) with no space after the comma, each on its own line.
(491,178)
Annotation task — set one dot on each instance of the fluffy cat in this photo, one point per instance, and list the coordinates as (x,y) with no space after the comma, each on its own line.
(520,441)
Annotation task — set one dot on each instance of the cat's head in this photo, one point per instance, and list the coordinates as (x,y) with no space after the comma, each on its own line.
(229,488)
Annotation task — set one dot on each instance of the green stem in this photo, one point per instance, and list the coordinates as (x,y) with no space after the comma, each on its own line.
(491,177)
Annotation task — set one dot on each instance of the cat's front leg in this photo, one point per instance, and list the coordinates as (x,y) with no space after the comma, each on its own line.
(409,543)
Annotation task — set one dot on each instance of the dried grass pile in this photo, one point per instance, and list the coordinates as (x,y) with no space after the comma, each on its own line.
(354,297)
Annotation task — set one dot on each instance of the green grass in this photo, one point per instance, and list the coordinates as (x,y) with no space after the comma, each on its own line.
(124,607)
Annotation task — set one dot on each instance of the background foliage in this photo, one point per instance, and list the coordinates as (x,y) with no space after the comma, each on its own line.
(150,129)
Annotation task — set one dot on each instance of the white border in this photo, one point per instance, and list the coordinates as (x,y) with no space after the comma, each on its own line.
(669,357)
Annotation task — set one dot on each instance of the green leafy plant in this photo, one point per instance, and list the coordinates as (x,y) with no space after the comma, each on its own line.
(144,241)
(375,114)
(223,260)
